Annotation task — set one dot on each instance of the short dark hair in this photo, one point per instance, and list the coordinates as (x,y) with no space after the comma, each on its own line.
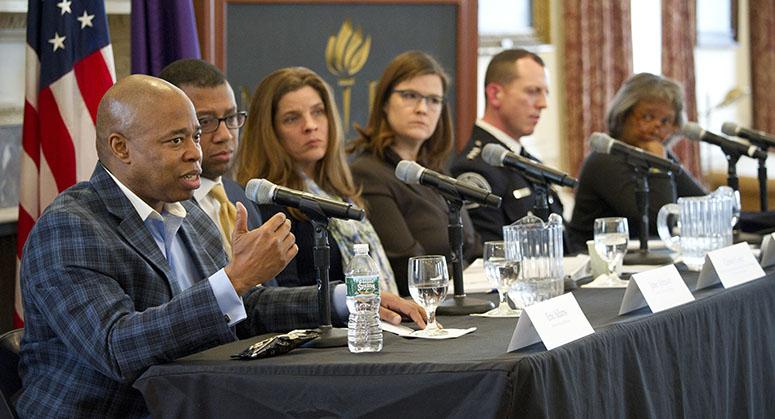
(192,72)
(501,68)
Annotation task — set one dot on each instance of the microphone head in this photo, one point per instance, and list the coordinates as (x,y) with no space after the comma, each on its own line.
(260,191)
(409,171)
(692,131)
(601,143)
(493,154)
(730,128)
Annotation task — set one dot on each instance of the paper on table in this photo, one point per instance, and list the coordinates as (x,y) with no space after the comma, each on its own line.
(634,244)
(408,332)
(495,314)
(475,280)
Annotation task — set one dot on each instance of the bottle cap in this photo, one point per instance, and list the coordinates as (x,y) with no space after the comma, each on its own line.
(361,248)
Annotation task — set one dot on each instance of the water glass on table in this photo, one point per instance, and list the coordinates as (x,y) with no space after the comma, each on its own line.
(501,272)
(611,237)
(428,283)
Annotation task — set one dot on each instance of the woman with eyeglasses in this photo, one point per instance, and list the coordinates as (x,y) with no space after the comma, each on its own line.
(409,120)
(293,138)
(645,112)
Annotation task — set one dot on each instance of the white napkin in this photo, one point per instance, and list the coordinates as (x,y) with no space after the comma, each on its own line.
(408,332)
(495,314)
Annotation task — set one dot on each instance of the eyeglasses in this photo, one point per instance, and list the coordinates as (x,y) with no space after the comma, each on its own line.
(649,118)
(211,124)
(413,98)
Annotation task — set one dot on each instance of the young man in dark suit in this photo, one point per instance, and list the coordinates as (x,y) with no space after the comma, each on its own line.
(516,89)
(216,108)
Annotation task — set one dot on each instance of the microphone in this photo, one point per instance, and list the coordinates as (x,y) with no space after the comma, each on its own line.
(499,156)
(760,138)
(412,173)
(602,143)
(695,132)
(262,191)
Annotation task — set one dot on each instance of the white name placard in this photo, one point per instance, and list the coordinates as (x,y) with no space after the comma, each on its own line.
(660,289)
(768,250)
(733,265)
(555,322)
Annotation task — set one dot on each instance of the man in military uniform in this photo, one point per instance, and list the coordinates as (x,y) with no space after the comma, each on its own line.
(516,89)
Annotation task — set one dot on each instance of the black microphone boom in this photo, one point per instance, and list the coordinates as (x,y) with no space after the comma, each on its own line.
(695,132)
(602,143)
(497,155)
(760,138)
(411,172)
(263,191)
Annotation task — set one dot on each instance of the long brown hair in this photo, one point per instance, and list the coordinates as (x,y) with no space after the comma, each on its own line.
(261,154)
(377,136)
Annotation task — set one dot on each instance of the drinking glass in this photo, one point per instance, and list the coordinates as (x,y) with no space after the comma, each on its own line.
(611,238)
(428,282)
(501,273)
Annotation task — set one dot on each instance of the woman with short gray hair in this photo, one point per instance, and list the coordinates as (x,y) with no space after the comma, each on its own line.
(646,111)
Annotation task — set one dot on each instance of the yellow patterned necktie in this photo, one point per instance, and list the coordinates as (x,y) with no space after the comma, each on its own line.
(227,215)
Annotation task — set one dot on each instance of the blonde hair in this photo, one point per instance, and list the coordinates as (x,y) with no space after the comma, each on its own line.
(261,154)
(377,136)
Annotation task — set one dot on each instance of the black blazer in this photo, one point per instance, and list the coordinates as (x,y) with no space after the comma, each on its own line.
(607,189)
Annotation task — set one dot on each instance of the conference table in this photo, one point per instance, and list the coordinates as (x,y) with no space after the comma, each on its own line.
(713,357)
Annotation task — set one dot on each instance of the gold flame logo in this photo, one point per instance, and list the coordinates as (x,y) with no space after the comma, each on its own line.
(346,54)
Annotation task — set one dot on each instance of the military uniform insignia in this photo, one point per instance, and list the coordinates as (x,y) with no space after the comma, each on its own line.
(521,193)
(475,150)
(476,180)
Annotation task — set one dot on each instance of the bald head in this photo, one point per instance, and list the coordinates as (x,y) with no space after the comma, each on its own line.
(148,137)
(127,106)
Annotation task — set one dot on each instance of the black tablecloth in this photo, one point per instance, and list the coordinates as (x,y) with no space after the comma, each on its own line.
(714,357)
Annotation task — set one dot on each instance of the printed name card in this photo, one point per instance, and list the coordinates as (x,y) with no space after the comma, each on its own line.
(660,288)
(768,250)
(733,265)
(555,322)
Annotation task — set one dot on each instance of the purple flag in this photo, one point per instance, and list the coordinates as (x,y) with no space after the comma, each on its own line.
(162,31)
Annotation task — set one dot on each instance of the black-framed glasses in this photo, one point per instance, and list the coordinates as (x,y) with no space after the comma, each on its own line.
(413,98)
(210,123)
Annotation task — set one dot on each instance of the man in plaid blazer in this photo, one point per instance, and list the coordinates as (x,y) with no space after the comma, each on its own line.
(123,271)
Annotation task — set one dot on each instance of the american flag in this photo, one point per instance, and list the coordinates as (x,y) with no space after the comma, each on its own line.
(69,67)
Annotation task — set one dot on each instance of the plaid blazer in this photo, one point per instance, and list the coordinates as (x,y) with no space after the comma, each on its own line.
(99,309)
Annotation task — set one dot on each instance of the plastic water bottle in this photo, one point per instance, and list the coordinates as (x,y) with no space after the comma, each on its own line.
(364,333)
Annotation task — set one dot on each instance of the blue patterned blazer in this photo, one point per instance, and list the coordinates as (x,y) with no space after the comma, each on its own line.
(99,309)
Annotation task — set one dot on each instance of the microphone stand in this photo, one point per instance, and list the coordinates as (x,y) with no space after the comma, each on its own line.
(762,175)
(732,180)
(541,205)
(734,183)
(642,256)
(459,304)
(329,336)
(541,194)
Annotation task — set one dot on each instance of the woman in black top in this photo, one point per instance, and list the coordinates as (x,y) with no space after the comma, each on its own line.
(646,111)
